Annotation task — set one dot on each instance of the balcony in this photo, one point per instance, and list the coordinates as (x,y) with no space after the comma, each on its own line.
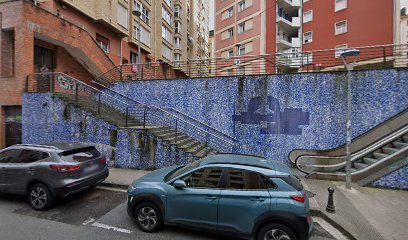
(288,23)
(289,59)
(289,3)
(284,42)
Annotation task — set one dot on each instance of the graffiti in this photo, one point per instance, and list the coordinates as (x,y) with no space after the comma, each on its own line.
(285,122)
(70,84)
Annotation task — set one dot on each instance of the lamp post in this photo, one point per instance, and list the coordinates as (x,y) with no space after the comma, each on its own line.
(349,67)
(138,13)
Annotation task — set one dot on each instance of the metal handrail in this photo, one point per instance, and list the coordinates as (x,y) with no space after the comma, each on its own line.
(168,113)
(358,154)
(82,83)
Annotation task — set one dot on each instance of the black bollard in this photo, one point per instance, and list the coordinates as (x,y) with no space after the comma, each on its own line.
(330,202)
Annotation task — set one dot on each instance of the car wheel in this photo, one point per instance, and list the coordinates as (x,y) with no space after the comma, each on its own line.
(40,198)
(276,231)
(148,217)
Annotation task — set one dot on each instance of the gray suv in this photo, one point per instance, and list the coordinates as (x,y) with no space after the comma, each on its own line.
(44,172)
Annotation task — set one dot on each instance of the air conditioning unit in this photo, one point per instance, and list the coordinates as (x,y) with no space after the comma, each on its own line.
(238,62)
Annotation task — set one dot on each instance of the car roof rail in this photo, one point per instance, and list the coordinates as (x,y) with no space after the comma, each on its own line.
(243,164)
(36,145)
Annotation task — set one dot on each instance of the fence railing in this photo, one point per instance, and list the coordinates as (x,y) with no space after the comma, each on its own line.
(292,61)
(100,97)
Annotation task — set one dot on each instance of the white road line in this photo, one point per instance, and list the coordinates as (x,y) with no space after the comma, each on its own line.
(88,221)
(107,227)
(330,229)
(112,189)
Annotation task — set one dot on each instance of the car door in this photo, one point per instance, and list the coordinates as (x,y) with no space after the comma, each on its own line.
(23,170)
(7,157)
(196,204)
(244,198)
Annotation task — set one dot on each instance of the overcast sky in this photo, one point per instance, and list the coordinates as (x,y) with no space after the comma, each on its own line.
(404,3)
(212,6)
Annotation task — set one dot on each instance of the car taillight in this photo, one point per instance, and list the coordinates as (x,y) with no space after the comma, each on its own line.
(103,161)
(299,198)
(65,168)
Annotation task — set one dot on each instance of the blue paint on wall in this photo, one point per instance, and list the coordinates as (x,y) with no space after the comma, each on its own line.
(396,180)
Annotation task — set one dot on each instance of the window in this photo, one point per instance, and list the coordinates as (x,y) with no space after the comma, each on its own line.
(230,32)
(145,36)
(13,124)
(241,6)
(123,16)
(308,16)
(307,58)
(166,15)
(177,11)
(340,49)
(136,31)
(166,52)
(177,58)
(182,170)
(228,13)
(29,156)
(307,37)
(306,1)
(177,27)
(9,156)
(103,42)
(340,5)
(204,178)
(241,27)
(43,57)
(80,154)
(133,57)
(229,53)
(294,182)
(177,42)
(168,2)
(244,180)
(241,70)
(166,34)
(341,27)
(241,50)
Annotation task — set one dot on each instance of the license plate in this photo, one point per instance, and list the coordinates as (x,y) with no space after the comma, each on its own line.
(91,168)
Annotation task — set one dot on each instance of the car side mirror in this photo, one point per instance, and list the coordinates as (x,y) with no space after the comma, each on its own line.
(179,184)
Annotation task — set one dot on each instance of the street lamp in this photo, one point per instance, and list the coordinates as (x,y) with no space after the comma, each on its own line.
(138,13)
(344,55)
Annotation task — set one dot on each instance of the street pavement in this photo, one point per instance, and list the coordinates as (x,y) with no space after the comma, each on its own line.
(100,214)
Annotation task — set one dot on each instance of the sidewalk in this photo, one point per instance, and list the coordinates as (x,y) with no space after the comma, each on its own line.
(365,213)
(362,213)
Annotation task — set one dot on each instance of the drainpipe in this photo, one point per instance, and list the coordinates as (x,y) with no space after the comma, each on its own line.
(121,56)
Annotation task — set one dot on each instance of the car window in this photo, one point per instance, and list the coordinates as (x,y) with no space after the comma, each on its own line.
(29,156)
(182,170)
(204,178)
(244,180)
(80,154)
(294,182)
(9,156)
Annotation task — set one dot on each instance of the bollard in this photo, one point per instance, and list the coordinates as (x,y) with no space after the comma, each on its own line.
(330,202)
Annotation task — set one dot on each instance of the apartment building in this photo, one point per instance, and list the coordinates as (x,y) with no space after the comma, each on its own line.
(86,39)
(283,28)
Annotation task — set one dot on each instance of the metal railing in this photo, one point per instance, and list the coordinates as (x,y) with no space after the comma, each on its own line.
(130,110)
(151,115)
(293,61)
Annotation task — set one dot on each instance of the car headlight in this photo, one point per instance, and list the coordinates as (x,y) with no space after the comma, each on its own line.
(131,188)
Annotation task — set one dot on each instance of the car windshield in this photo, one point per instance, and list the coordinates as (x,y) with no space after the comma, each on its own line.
(182,170)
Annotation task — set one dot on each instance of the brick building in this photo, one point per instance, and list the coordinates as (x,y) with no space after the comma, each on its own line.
(86,39)
(287,27)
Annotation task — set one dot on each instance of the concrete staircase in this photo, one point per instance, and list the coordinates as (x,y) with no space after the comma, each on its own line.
(118,118)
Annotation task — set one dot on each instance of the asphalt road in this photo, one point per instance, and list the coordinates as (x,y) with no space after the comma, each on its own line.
(94,214)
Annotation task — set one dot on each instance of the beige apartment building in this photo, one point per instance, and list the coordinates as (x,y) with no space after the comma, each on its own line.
(170,30)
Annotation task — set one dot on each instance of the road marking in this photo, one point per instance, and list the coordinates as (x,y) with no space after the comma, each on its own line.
(88,221)
(107,227)
(112,189)
(330,229)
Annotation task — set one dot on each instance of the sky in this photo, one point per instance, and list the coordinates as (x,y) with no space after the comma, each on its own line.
(404,3)
(212,14)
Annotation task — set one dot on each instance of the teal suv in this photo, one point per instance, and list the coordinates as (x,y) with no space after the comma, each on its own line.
(239,195)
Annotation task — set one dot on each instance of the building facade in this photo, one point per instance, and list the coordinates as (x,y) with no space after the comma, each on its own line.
(284,28)
(86,39)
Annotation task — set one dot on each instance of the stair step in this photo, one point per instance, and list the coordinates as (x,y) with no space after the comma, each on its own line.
(158,129)
(203,153)
(369,161)
(185,141)
(191,146)
(389,150)
(172,138)
(196,149)
(400,145)
(379,155)
(360,166)
(165,134)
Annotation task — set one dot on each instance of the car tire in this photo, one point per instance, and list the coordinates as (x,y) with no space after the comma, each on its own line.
(148,217)
(276,231)
(40,197)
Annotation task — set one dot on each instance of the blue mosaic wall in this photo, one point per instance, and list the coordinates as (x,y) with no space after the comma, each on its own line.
(273,115)
(48,119)
(269,115)
(395,180)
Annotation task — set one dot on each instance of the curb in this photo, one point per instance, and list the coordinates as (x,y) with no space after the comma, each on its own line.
(113,185)
(321,214)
